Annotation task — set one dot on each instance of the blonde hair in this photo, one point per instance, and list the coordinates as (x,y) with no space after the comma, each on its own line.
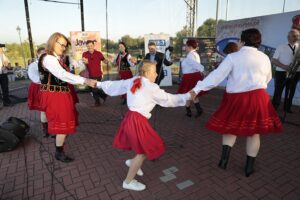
(146,66)
(53,39)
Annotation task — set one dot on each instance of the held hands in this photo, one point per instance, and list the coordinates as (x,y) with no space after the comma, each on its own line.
(90,82)
(193,94)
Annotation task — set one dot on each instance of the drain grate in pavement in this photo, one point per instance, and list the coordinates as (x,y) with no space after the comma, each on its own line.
(184,184)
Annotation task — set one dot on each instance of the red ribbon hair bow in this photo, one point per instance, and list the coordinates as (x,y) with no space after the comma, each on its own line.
(136,85)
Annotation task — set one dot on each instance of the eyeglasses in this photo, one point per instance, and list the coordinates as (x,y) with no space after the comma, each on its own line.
(62,45)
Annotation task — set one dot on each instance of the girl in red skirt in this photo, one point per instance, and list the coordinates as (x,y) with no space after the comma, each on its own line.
(57,98)
(192,73)
(135,132)
(124,61)
(34,94)
(246,109)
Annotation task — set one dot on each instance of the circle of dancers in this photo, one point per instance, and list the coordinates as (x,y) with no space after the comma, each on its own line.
(245,109)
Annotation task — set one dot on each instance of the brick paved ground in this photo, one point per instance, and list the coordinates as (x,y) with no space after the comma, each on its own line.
(98,170)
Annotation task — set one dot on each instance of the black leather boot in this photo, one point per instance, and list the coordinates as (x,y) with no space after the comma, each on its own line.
(45,129)
(199,110)
(249,166)
(124,102)
(225,156)
(188,111)
(61,156)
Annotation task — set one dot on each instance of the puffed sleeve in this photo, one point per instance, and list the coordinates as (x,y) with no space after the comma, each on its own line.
(165,99)
(114,88)
(216,76)
(52,65)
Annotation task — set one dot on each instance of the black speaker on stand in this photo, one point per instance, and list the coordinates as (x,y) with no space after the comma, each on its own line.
(12,132)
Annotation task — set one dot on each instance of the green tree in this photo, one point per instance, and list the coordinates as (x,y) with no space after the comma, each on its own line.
(178,41)
(208,28)
(14,53)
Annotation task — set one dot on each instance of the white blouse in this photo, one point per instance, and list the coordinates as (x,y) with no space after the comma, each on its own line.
(248,69)
(52,65)
(145,98)
(33,72)
(191,63)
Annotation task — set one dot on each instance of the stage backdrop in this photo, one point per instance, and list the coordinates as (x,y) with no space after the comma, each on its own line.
(274,29)
(162,41)
(78,44)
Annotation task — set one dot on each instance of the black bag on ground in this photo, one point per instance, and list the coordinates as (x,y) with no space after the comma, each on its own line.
(12,131)
(21,124)
(15,129)
(8,141)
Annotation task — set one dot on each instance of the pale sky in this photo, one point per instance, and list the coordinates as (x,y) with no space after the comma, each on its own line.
(133,17)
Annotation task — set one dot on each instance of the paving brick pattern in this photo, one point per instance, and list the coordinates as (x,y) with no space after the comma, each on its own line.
(30,172)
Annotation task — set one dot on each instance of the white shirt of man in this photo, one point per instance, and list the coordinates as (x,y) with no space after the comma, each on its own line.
(191,63)
(284,54)
(248,69)
(3,59)
(145,98)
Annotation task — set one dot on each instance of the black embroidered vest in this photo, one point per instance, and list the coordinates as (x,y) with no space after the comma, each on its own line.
(46,77)
(124,64)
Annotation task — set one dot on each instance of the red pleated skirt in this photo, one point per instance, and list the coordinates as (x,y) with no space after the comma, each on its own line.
(136,133)
(60,111)
(34,97)
(125,74)
(245,114)
(189,81)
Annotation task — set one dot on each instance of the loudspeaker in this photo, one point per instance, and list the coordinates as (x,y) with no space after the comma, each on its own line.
(8,141)
(19,122)
(15,129)
(12,131)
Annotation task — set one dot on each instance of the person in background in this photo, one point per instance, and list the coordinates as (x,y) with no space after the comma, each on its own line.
(192,71)
(92,59)
(10,73)
(34,93)
(231,47)
(282,58)
(159,58)
(124,61)
(4,78)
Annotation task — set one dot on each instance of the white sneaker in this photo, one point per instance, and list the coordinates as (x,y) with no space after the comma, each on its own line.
(139,172)
(134,185)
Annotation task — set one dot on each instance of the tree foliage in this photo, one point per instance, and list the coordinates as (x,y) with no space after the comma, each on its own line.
(208,28)
(135,45)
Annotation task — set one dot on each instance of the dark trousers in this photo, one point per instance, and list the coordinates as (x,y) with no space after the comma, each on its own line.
(97,93)
(280,82)
(4,88)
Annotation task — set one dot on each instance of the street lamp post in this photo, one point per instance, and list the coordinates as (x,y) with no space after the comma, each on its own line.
(23,54)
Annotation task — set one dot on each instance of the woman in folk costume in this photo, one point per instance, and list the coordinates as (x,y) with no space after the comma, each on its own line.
(56,96)
(124,61)
(192,73)
(34,94)
(135,132)
(246,109)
